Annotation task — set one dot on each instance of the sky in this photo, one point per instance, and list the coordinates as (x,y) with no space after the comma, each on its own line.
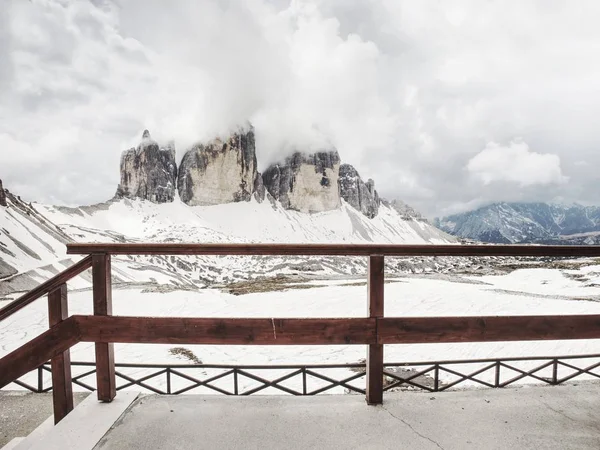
(447,105)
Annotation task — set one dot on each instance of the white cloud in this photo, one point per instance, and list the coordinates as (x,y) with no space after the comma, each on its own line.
(516,163)
(409,92)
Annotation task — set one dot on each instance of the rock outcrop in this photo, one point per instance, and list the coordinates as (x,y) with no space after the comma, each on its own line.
(360,195)
(306,183)
(407,212)
(148,172)
(259,188)
(220,171)
(2,195)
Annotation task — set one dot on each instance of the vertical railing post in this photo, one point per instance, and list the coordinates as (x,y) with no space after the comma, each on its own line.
(40,375)
(62,387)
(168,380)
(497,376)
(555,371)
(375,285)
(105,358)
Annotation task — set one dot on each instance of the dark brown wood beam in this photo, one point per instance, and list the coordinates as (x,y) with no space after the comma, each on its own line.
(106,382)
(416,330)
(185,330)
(39,350)
(45,287)
(62,387)
(337,249)
(375,288)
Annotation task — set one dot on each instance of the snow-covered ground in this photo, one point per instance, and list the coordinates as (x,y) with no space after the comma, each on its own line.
(241,222)
(32,239)
(523,292)
(32,242)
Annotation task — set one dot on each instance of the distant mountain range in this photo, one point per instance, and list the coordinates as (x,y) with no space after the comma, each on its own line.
(510,223)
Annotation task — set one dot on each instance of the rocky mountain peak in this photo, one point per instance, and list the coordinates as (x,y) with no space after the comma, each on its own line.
(2,195)
(306,182)
(360,195)
(148,172)
(220,171)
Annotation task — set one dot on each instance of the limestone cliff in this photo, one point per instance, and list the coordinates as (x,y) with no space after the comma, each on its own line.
(148,172)
(221,171)
(306,183)
(360,195)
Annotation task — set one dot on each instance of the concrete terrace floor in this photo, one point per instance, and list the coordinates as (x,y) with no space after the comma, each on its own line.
(22,411)
(542,417)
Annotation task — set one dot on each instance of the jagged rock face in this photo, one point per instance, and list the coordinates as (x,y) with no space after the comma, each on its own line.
(148,172)
(306,183)
(360,195)
(2,195)
(259,188)
(407,212)
(220,171)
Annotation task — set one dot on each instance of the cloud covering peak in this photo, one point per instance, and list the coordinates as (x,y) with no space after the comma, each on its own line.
(408,92)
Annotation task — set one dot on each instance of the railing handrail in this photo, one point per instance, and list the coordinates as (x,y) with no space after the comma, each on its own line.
(334,249)
(259,331)
(45,288)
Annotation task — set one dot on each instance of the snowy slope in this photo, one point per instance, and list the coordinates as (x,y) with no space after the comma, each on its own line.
(143,221)
(32,248)
(239,222)
(27,238)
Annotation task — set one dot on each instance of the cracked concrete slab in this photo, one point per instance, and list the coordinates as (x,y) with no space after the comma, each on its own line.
(21,412)
(560,417)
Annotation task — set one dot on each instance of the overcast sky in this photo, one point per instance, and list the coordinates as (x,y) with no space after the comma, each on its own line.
(448,105)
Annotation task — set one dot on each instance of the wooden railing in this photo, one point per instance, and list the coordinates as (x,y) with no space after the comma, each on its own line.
(374,330)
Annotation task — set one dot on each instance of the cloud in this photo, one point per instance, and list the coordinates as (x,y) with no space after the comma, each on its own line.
(515,163)
(408,92)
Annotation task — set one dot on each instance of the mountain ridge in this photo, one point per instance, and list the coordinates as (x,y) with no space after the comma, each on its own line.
(521,222)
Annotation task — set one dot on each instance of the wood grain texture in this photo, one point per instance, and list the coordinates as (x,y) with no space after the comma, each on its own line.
(39,350)
(45,287)
(62,387)
(185,330)
(375,286)
(413,330)
(374,374)
(375,289)
(336,249)
(106,382)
